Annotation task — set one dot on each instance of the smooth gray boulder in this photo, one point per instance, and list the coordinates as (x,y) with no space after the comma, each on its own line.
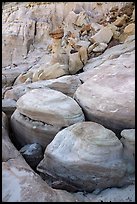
(86,155)
(51,107)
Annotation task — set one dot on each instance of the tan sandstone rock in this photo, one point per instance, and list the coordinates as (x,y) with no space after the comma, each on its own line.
(120,21)
(130,29)
(75,63)
(51,72)
(104,35)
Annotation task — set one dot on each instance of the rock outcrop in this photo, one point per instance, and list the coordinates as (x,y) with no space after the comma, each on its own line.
(68,89)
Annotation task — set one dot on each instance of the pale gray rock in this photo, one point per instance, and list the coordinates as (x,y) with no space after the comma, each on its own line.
(9,75)
(124,194)
(65,84)
(27,131)
(51,107)
(112,53)
(128,140)
(8,149)
(83,43)
(108,94)
(8,106)
(30,187)
(15,92)
(16,174)
(86,155)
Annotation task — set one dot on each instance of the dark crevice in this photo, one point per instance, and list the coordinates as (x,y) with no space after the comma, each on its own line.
(35,29)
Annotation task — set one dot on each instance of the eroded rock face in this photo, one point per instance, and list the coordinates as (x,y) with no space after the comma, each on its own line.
(113,54)
(24,25)
(86,155)
(128,140)
(28,131)
(8,149)
(51,107)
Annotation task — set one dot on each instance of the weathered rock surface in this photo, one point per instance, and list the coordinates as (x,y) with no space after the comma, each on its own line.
(125,194)
(50,72)
(103,97)
(80,32)
(16,173)
(28,131)
(31,188)
(9,75)
(66,84)
(113,53)
(86,155)
(51,107)
(8,149)
(100,48)
(30,29)
(128,140)
(75,63)
(130,29)
(8,106)
(103,36)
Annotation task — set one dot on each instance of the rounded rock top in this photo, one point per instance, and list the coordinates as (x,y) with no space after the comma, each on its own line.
(51,107)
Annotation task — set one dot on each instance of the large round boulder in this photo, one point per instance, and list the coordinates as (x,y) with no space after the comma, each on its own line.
(87,156)
(41,113)
(108,96)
